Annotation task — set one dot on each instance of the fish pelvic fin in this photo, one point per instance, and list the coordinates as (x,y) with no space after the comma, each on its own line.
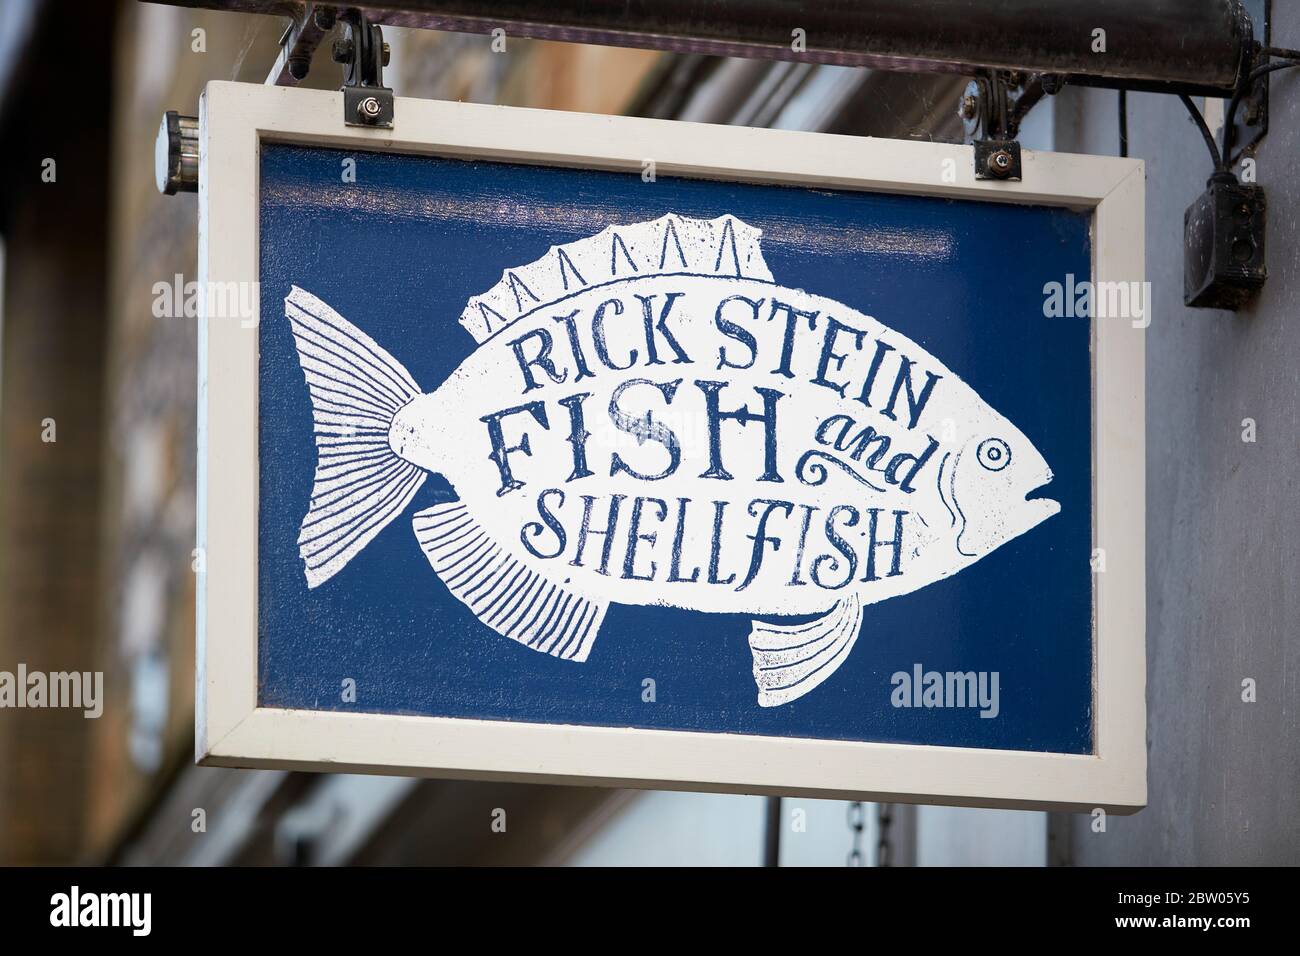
(501,590)
(792,659)
(356,388)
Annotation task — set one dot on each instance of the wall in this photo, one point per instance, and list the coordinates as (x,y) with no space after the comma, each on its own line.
(1223,529)
(50,428)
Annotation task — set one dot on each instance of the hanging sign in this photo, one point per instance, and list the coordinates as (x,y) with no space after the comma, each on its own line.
(577,448)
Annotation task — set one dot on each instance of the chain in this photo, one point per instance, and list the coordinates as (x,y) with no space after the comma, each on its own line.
(857,814)
(884,848)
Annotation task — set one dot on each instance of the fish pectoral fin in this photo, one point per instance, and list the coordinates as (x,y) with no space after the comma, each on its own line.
(501,590)
(792,659)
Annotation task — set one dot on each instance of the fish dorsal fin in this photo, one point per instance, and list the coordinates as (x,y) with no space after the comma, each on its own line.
(516,284)
(670,232)
(727,248)
(617,245)
(489,318)
(669,245)
(567,266)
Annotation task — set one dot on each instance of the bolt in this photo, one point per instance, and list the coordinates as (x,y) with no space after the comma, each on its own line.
(999,163)
(369,109)
(325,18)
(342,51)
(969,106)
(299,67)
(387,52)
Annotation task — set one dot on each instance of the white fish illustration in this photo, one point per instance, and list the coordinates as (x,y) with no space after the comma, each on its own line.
(650,419)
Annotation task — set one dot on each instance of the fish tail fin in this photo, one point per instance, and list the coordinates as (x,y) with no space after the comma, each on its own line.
(501,590)
(356,388)
(792,659)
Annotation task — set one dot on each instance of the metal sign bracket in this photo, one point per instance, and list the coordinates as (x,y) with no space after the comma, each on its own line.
(364,54)
(1250,121)
(361,51)
(991,110)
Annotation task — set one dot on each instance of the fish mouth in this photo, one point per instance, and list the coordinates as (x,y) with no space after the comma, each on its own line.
(1018,518)
(1039,507)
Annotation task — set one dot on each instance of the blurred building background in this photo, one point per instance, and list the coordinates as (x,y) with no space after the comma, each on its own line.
(97,527)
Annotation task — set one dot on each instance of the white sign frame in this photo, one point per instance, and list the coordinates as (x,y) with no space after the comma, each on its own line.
(232,730)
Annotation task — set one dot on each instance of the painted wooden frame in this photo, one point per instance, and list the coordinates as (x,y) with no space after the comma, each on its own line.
(232,730)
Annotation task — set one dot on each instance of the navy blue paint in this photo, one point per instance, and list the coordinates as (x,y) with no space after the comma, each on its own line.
(963,279)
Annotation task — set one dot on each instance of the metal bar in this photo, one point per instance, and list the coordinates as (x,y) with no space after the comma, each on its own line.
(301,37)
(1190,46)
(772,833)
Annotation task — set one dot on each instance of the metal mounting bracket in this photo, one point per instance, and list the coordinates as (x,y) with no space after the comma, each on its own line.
(364,54)
(1251,121)
(991,110)
(300,39)
(997,159)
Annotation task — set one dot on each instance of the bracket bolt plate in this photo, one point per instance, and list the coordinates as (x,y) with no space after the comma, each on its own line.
(997,159)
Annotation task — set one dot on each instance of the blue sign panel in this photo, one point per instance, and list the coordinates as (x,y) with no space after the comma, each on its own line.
(563,446)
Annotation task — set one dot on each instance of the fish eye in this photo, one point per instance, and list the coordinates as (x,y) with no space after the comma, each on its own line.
(994,454)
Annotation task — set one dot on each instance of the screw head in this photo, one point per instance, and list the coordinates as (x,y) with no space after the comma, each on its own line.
(369,108)
(999,162)
(969,105)
(342,50)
